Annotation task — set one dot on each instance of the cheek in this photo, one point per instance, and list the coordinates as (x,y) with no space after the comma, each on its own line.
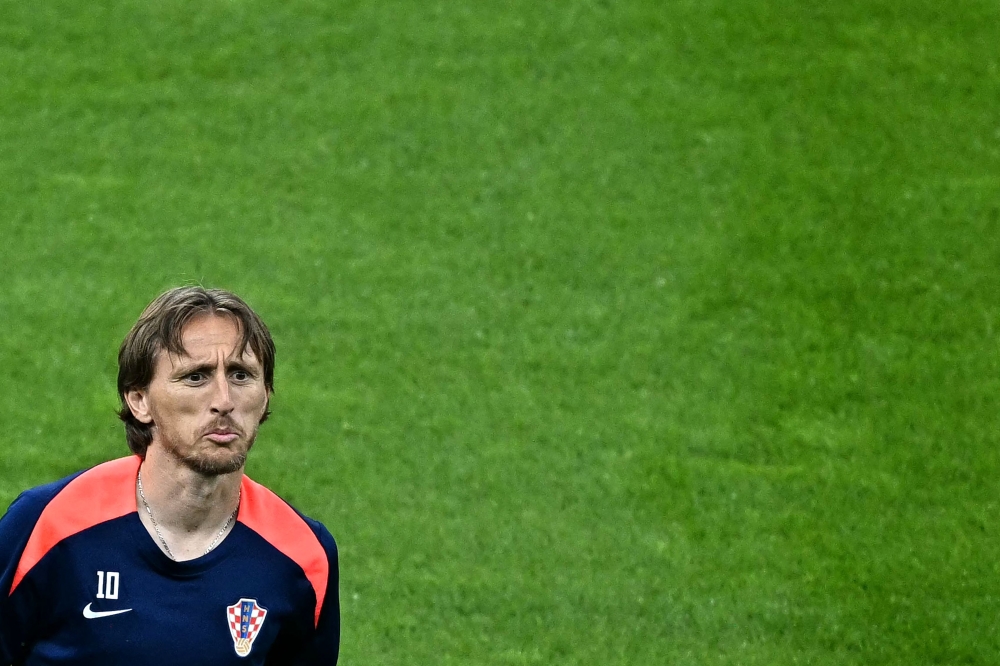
(255,402)
(171,406)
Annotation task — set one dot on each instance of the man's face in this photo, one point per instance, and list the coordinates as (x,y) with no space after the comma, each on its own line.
(207,403)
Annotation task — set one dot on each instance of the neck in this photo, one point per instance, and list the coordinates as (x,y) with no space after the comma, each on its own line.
(189,508)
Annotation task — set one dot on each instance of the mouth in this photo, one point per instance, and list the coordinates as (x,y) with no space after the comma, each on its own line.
(222,436)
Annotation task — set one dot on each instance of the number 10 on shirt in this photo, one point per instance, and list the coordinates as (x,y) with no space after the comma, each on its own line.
(107,585)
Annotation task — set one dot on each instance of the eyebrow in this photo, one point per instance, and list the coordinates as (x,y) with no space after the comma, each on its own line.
(208,368)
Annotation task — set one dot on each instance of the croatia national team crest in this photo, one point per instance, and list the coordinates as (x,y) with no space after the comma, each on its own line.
(245,620)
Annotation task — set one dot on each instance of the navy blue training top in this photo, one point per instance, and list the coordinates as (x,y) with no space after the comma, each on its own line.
(82,582)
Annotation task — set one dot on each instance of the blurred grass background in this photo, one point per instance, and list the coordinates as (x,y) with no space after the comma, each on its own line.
(608,332)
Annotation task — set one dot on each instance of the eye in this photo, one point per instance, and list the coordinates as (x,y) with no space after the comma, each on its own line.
(195,377)
(241,376)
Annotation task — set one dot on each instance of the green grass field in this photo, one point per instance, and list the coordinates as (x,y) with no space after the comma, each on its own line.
(608,332)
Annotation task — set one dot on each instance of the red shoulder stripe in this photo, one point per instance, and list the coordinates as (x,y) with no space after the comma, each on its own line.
(100,494)
(270,516)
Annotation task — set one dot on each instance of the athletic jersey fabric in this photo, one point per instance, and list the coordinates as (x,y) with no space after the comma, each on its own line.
(82,582)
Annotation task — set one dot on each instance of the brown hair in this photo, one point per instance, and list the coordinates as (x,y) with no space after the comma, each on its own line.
(160,327)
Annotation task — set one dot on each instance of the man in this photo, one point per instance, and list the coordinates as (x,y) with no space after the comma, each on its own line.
(173,555)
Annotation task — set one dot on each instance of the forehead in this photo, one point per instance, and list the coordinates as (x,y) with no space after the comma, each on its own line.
(208,336)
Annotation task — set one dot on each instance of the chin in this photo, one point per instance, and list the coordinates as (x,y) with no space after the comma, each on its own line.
(211,459)
(216,461)
(216,465)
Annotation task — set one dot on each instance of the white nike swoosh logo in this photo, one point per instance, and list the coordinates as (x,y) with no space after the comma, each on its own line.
(90,615)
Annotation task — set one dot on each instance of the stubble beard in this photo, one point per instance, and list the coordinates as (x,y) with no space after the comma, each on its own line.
(211,465)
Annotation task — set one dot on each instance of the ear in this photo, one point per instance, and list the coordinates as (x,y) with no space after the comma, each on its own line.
(138,402)
(267,406)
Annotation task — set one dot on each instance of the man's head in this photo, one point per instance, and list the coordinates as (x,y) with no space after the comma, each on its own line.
(195,374)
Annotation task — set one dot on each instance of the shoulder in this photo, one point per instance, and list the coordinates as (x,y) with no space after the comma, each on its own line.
(20,522)
(303,540)
(83,499)
(36,498)
(263,511)
(29,506)
(25,511)
(44,516)
(321,533)
(92,479)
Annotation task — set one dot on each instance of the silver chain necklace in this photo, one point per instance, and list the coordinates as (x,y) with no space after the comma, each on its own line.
(156,526)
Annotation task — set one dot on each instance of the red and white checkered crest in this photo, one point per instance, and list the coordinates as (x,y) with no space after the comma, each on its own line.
(245,619)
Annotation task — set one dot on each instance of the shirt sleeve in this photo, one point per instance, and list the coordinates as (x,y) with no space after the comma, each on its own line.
(321,647)
(324,648)
(17,612)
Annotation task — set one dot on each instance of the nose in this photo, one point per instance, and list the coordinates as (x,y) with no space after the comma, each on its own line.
(222,400)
